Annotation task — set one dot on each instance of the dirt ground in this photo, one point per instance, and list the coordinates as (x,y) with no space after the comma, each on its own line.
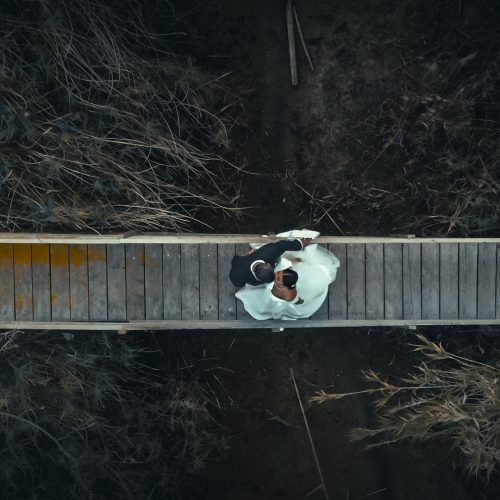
(269,455)
(311,152)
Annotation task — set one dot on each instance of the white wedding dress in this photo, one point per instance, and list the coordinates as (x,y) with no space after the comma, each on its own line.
(316,271)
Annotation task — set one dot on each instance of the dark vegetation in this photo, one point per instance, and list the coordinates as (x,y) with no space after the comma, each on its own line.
(102,127)
(83,417)
(122,116)
(448,397)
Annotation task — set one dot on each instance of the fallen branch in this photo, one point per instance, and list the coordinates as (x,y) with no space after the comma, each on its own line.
(309,435)
(291,43)
(302,41)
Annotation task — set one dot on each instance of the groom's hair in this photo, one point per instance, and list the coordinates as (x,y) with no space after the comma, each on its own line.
(290,278)
(264,272)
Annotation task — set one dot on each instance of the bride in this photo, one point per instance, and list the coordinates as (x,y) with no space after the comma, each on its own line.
(300,286)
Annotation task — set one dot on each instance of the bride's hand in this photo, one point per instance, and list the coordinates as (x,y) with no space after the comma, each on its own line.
(305,242)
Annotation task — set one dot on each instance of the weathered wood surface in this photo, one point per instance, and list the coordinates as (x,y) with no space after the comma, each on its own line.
(430,280)
(153,281)
(337,296)
(374,281)
(59,282)
(190,282)
(23,281)
(7,290)
(117,291)
(98,282)
(356,283)
(381,282)
(183,238)
(172,281)
(393,271)
(467,292)
(78,282)
(134,281)
(208,282)
(40,268)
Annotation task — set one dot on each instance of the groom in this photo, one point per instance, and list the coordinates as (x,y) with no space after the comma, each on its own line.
(256,267)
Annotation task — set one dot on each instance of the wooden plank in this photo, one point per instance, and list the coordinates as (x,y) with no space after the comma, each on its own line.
(23,282)
(134,277)
(337,295)
(63,239)
(171,281)
(393,276)
(179,238)
(227,299)
(79,282)
(190,281)
(430,281)
(117,296)
(153,281)
(241,313)
(467,280)
(486,280)
(356,295)
(98,282)
(217,325)
(7,306)
(40,267)
(323,311)
(498,284)
(412,282)
(374,281)
(448,278)
(59,282)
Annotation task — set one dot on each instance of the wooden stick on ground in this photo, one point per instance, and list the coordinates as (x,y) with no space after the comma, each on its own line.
(302,41)
(309,434)
(291,43)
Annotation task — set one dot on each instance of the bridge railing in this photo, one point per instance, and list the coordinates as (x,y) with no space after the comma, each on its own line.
(200,238)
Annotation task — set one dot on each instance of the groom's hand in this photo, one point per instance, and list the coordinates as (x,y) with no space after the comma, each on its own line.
(305,242)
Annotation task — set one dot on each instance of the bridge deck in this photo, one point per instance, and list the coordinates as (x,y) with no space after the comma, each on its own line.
(141,282)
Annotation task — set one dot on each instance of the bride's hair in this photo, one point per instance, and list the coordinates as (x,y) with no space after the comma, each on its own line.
(290,278)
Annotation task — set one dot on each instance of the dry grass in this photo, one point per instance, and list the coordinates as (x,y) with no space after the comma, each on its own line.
(101,128)
(421,153)
(449,397)
(445,127)
(87,419)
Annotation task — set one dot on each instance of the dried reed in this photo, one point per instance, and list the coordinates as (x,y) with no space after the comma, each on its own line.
(87,419)
(101,128)
(449,397)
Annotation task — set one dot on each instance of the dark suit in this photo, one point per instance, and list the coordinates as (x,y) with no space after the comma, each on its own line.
(241,273)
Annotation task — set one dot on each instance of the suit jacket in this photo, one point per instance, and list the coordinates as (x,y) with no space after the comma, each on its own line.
(241,273)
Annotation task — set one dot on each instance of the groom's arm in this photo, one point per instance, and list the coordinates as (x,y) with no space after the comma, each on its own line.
(273,251)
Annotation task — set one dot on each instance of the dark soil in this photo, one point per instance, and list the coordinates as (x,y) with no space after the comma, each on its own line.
(321,155)
(269,455)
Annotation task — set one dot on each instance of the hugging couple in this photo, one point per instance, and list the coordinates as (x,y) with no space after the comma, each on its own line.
(288,279)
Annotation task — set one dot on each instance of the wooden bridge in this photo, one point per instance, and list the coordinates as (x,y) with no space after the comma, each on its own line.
(180,281)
